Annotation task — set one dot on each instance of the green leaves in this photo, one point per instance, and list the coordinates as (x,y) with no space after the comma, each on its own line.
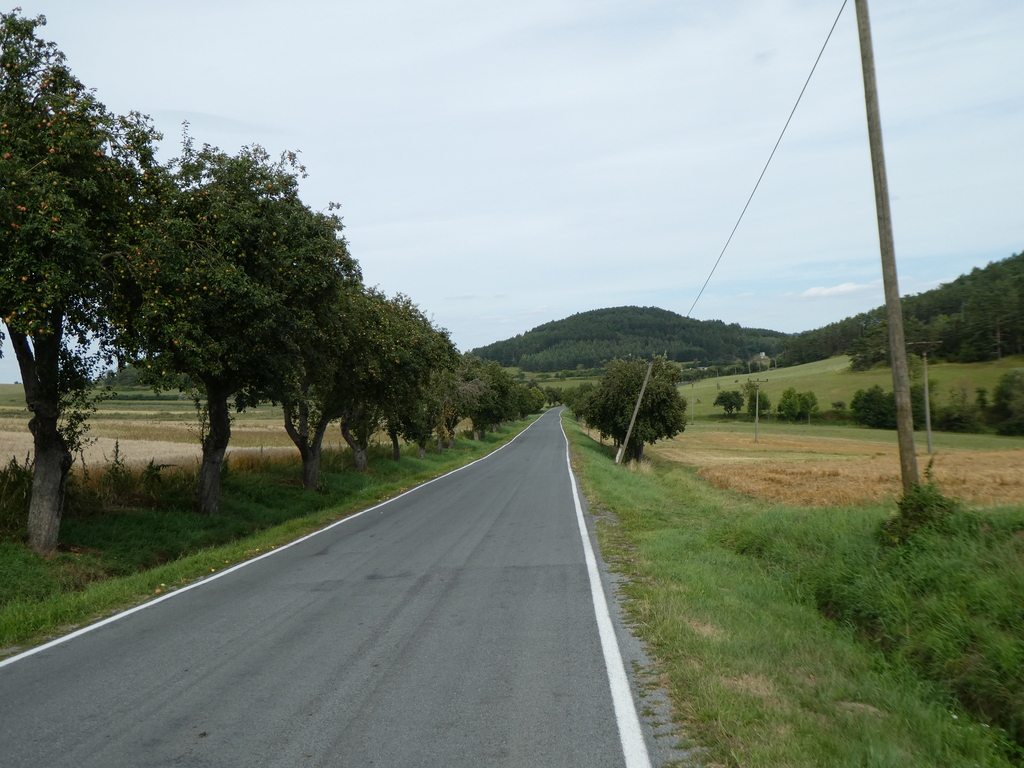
(610,405)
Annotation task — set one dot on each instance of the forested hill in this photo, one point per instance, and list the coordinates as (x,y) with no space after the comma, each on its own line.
(978,316)
(590,338)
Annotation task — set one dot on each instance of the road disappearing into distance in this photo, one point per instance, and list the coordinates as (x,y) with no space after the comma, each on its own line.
(459,624)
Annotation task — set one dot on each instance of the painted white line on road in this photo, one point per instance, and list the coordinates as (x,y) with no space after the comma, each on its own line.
(226,571)
(634,748)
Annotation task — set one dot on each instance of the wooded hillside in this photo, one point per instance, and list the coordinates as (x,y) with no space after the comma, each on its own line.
(591,338)
(977,317)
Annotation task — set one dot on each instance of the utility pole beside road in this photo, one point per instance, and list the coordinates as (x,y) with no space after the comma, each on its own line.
(893,310)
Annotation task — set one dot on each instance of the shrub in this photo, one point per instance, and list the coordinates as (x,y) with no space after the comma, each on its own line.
(1008,403)
(15,494)
(961,415)
(874,408)
(730,400)
(921,506)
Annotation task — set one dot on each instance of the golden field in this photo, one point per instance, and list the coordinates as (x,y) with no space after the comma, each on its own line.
(832,466)
(148,427)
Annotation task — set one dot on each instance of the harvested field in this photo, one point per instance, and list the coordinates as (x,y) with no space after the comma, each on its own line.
(825,471)
(135,453)
(175,443)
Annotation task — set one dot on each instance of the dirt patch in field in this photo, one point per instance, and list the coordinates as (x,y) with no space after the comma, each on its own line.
(814,472)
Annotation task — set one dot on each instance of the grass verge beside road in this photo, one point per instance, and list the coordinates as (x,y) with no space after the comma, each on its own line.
(116,552)
(779,645)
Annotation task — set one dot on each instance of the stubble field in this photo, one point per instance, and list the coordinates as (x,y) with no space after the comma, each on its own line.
(142,426)
(831,466)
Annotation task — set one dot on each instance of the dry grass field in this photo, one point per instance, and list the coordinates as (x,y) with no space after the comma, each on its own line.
(145,427)
(823,470)
(174,443)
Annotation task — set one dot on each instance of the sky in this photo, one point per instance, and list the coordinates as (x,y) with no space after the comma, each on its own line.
(509,163)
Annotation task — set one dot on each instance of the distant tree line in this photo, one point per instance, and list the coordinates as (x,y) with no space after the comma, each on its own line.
(1004,411)
(977,317)
(208,273)
(589,339)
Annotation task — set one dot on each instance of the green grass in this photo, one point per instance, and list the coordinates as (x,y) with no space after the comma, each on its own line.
(940,440)
(124,539)
(739,602)
(831,380)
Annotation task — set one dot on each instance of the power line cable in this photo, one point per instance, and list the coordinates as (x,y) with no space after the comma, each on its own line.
(763,170)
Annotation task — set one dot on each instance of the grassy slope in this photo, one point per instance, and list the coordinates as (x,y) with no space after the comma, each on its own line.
(831,380)
(941,440)
(757,674)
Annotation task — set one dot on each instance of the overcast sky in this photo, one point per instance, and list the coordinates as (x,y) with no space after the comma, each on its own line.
(509,163)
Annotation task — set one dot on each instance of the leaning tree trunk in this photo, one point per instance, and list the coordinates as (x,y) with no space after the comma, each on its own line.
(396,449)
(214,445)
(39,371)
(358,447)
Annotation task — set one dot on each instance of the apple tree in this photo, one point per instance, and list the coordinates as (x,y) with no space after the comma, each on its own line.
(73,183)
(662,411)
(225,290)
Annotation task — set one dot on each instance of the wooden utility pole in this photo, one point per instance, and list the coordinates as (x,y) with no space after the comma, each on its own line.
(757,403)
(632,421)
(893,310)
(927,404)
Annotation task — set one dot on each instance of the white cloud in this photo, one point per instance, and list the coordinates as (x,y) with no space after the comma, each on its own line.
(840,290)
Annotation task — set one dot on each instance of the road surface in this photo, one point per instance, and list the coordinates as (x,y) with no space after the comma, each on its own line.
(452,626)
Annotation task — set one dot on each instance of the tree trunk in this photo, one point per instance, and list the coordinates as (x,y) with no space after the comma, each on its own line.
(296,425)
(214,445)
(396,449)
(310,448)
(39,363)
(423,452)
(440,444)
(311,470)
(638,453)
(357,446)
(450,425)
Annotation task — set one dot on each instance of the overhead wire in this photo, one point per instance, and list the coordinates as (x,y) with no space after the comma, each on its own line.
(763,170)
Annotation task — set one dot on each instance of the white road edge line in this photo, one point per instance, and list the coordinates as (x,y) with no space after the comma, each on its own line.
(226,571)
(634,748)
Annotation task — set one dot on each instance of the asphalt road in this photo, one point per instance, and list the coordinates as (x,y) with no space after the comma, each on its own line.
(453,626)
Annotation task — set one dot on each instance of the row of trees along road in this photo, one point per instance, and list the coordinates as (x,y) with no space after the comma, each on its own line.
(208,270)
(608,405)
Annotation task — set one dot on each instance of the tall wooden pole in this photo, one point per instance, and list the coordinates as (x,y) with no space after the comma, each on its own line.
(927,405)
(893,310)
(636,410)
(757,403)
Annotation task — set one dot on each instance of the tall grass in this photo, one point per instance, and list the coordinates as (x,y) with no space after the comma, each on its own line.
(15,492)
(760,620)
(948,602)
